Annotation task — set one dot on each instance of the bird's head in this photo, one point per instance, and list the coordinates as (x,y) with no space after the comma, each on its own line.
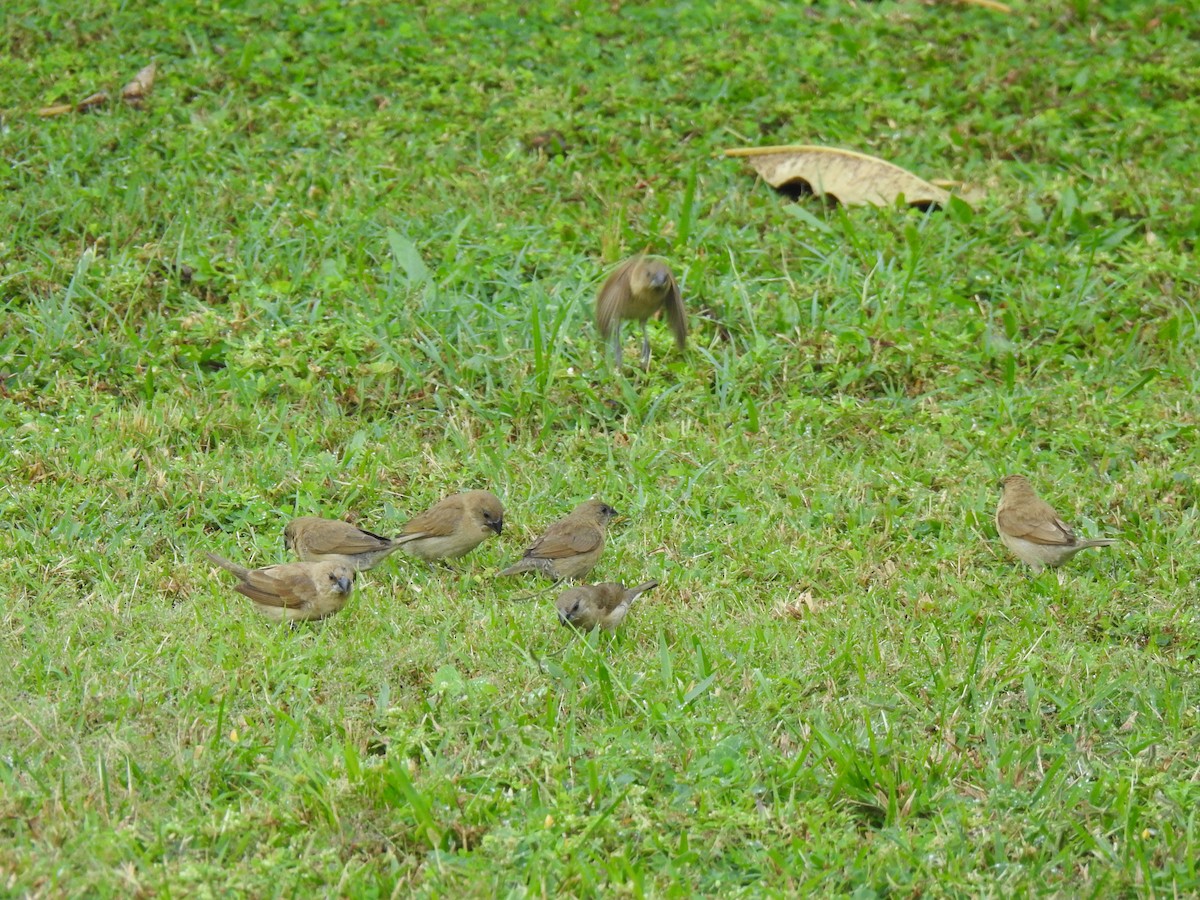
(342,578)
(488,511)
(569,605)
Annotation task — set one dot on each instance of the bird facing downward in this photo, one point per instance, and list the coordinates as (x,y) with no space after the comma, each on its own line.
(571,547)
(638,289)
(603,605)
(1032,530)
(293,592)
(453,527)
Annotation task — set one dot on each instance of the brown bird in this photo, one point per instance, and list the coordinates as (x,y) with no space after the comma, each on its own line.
(603,605)
(1032,530)
(453,527)
(323,540)
(294,592)
(638,289)
(571,547)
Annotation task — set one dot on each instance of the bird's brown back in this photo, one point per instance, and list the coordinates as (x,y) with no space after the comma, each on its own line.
(1022,513)
(277,586)
(330,537)
(439,520)
(581,531)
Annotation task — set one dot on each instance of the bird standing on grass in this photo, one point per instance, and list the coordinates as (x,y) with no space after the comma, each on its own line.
(451,528)
(1032,530)
(294,592)
(325,540)
(571,547)
(638,289)
(598,605)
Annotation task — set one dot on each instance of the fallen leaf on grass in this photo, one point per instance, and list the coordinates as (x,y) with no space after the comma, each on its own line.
(547,143)
(804,604)
(133,94)
(138,89)
(988,4)
(88,103)
(853,179)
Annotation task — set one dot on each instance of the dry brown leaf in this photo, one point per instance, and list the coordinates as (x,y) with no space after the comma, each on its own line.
(60,109)
(804,604)
(547,143)
(97,99)
(138,89)
(853,179)
(988,4)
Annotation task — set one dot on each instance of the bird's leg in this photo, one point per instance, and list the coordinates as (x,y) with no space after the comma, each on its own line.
(616,345)
(645,348)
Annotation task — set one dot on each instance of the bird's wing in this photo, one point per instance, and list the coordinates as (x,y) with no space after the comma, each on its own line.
(608,596)
(613,295)
(557,543)
(349,543)
(1038,526)
(676,314)
(438,521)
(274,586)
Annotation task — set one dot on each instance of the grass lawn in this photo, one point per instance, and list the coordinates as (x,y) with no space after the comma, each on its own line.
(339,263)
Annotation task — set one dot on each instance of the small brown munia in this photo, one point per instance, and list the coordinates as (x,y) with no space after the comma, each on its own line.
(598,605)
(571,547)
(1032,530)
(639,288)
(320,540)
(294,592)
(451,528)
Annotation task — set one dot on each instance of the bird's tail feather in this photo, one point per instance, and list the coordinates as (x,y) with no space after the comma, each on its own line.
(523,565)
(635,592)
(239,571)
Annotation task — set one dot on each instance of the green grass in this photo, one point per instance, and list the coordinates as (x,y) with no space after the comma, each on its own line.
(321,271)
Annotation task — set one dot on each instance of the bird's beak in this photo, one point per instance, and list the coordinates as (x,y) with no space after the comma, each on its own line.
(497,526)
(658,279)
(343,584)
(563,620)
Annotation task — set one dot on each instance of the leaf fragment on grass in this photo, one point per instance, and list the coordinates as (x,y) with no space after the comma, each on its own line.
(133,94)
(138,89)
(988,4)
(853,179)
(798,607)
(547,143)
(85,105)
(408,257)
(88,103)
